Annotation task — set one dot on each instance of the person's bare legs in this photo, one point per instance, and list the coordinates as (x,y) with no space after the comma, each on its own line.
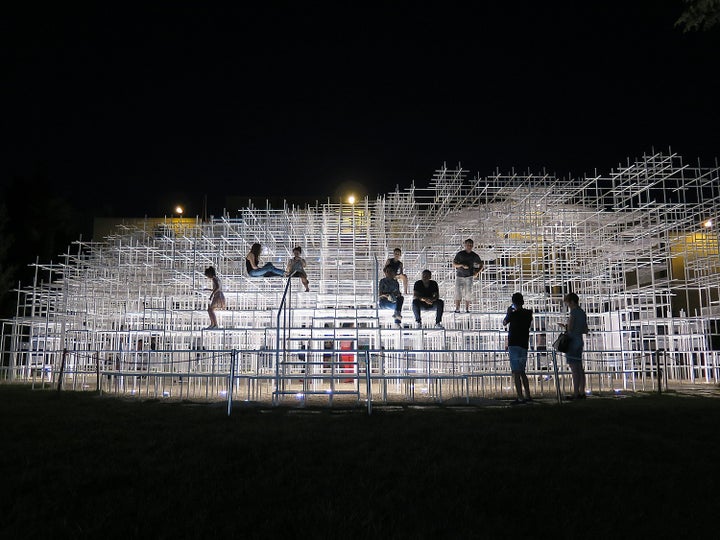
(521,381)
(404,279)
(213,318)
(578,376)
(305,282)
(526,384)
(518,385)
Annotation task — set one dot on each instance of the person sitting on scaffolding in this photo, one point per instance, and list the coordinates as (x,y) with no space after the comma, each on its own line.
(296,267)
(389,296)
(426,296)
(252,264)
(398,272)
(217,298)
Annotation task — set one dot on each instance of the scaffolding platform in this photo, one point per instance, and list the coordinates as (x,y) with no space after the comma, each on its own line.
(127,313)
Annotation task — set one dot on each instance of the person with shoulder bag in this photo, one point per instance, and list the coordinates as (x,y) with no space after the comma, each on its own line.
(575,327)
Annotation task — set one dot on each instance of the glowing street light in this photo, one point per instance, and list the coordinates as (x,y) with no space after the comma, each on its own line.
(179,210)
(351,199)
(708,224)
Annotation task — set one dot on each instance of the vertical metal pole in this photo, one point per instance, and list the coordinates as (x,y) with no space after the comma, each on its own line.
(97,371)
(231,380)
(368,382)
(557,377)
(62,370)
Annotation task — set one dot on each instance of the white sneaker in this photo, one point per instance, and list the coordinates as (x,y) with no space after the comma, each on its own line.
(418,324)
(397,325)
(439,326)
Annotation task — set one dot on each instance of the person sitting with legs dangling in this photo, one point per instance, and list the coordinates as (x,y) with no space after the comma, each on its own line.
(426,295)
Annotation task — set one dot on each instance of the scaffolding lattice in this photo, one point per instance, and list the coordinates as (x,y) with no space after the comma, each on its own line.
(639,246)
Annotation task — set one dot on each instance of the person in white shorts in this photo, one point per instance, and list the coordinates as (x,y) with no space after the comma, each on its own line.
(467,266)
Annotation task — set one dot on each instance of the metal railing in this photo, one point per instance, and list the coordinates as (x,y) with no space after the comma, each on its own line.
(375,375)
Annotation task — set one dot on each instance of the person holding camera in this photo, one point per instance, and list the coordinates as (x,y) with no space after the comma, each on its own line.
(389,296)
(518,320)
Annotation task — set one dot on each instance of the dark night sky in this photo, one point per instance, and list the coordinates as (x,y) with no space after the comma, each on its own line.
(127,112)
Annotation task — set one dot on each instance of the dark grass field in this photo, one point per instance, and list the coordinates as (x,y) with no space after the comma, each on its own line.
(75,465)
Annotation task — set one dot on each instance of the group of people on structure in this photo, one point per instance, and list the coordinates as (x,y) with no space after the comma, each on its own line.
(426,293)
(295,268)
(426,297)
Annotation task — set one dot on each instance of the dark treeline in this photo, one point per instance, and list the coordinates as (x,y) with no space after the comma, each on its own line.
(38,221)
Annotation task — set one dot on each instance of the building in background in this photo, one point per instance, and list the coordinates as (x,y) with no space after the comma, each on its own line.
(639,246)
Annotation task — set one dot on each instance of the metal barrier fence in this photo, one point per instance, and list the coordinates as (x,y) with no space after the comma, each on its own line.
(351,376)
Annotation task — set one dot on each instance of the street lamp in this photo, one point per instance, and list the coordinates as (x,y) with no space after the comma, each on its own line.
(179,210)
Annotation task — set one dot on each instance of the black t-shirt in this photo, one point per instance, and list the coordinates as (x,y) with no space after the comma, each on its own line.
(519,322)
(421,291)
(472,260)
(397,266)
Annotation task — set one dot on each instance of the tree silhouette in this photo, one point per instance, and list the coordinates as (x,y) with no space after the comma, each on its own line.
(699,15)
(36,222)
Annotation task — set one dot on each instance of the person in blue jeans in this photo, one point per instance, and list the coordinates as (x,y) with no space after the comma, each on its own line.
(389,296)
(252,264)
(519,321)
(426,296)
(575,327)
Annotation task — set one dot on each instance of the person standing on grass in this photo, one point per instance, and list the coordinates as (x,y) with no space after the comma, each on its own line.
(518,319)
(467,266)
(575,327)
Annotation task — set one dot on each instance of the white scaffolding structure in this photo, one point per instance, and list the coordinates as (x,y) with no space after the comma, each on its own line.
(639,246)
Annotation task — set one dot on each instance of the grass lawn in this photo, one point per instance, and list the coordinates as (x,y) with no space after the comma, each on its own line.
(75,465)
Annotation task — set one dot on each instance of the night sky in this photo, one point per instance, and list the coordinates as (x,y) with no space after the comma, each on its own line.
(126,112)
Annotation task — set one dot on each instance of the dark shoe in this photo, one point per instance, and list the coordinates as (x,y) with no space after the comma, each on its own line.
(582,396)
(528,400)
(517,402)
(569,398)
